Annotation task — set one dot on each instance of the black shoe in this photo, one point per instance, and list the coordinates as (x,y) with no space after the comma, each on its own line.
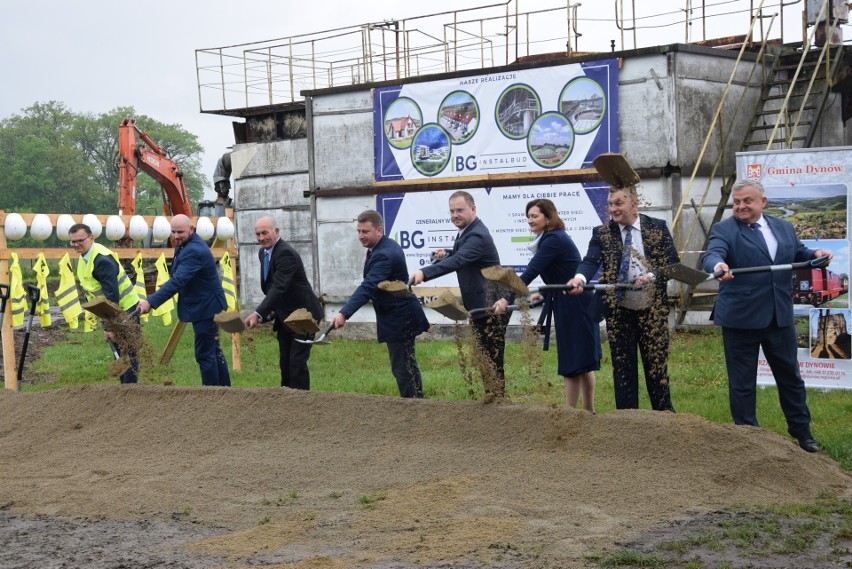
(809,444)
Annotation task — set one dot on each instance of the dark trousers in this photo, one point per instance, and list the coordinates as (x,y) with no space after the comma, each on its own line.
(293,358)
(208,354)
(490,334)
(646,330)
(131,341)
(779,347)
(404,367)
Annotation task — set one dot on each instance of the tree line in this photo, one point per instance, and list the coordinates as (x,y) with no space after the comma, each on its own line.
(55,160)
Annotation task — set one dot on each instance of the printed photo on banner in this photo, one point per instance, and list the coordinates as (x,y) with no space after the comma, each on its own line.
(529,120)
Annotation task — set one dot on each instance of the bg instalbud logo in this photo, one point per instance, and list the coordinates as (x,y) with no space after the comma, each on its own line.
(754,171)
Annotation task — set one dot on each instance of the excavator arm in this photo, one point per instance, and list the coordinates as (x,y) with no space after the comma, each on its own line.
(154,161)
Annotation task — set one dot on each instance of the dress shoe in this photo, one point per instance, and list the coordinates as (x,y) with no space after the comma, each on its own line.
(809,444)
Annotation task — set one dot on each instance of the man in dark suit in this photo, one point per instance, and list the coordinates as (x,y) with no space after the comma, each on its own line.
(285,284)
(756,310)
(472,251)
(399,318)
(628,249)
(195,277)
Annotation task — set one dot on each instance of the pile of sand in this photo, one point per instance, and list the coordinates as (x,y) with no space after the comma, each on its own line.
(342,480)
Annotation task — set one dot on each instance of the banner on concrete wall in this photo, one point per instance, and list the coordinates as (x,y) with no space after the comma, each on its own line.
(420,221)
(533,120)
(810,189)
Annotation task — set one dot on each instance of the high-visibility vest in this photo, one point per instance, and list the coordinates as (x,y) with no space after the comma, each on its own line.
(126,293)
(66,294)
(42,306)
(17,295)
(165,309)
(141,292)
(228,281)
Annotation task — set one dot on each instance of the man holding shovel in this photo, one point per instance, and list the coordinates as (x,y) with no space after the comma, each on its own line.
(195,277)
(750,322)
(285,284)
(399,318)
(102,276)
(472,251)
(628,249)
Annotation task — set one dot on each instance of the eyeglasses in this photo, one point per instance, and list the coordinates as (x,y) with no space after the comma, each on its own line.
(75,242)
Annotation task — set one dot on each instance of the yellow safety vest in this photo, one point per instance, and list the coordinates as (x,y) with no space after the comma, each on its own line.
(16,292)
(42,306)
(165,309)
(228,281)
(127,297)
(66,294)
(141,292)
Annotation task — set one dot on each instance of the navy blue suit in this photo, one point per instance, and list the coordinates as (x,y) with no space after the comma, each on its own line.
(399,319)
(578,339)
(627,329)
(287,289)
(472,251)
(195,277)
(756,310)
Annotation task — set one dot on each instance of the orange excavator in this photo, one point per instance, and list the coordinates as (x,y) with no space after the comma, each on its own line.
(152,159)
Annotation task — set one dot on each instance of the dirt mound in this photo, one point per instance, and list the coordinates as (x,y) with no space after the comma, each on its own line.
(344,480)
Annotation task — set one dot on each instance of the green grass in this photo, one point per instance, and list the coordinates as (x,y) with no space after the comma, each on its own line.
(773,532)
(696,368)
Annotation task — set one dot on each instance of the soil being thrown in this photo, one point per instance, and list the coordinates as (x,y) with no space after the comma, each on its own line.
(209,477)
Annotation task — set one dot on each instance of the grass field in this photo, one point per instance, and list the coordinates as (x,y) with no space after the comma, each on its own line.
(696,368)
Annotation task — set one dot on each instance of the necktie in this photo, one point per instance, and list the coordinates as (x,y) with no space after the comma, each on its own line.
(759,234)
(265,264)
(369,252)
(624,267)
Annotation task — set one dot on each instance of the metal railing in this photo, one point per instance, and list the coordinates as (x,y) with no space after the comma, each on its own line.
(275,71)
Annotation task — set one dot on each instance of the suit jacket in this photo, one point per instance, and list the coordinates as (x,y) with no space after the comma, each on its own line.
(605,250)
(398,318)
(195,277)
(472,252)
(750,300)
(286,286)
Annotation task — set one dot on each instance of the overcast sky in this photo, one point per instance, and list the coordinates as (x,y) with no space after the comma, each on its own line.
(95,55)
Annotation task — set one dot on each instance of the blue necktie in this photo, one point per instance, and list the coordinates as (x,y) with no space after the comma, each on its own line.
(759,234)
(265,264)
(624,268)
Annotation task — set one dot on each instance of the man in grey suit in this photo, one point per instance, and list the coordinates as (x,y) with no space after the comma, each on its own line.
(472,251)
(748,321)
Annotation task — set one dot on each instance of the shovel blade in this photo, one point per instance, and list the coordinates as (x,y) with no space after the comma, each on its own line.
(684,274)
(614,169)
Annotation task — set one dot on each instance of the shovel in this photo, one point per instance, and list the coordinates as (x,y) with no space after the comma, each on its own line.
(4,296)
(684,274)
(321,339)
(590,286)
(477,312)
(615,170)
(32,296)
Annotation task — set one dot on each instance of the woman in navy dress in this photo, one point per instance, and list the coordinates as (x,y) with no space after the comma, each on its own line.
(578,342)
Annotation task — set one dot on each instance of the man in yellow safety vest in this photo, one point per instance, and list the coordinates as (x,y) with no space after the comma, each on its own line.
(101,275)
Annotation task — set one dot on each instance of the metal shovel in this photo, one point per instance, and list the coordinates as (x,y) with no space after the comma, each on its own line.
(33,294)
(684,274)
(590,286)
(477,312)
(4,296)
(615,170)
(321,339)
